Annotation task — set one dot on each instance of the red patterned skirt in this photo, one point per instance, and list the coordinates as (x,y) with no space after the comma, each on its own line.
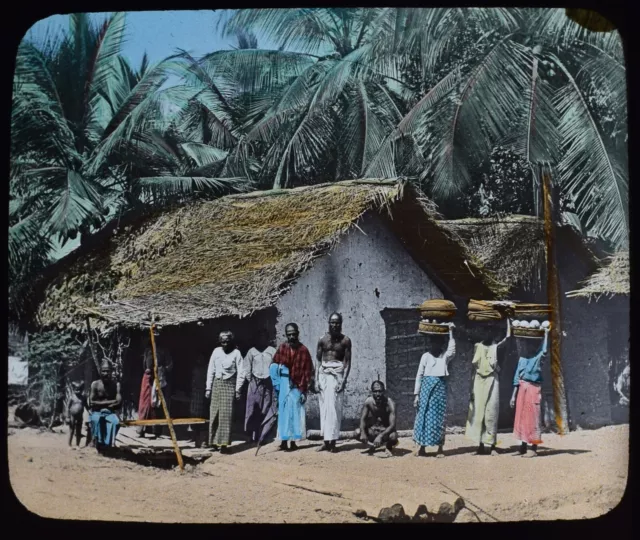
(527,421)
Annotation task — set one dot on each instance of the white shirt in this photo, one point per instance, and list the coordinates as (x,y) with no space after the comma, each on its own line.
(431,366)
(223,366)
(256,364)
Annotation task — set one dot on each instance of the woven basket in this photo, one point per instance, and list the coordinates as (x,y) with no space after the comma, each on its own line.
(437,309)
(430,328)
(428,314)
(528,332)
(532,311)
(484,316)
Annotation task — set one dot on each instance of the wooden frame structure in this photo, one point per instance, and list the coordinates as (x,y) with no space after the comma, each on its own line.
(167,420)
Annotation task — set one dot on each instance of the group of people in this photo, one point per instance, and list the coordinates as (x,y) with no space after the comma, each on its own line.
(102,403)
(482,420)
(279,381)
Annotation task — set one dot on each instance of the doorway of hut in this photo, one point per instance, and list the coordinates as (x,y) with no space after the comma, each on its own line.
(185,343)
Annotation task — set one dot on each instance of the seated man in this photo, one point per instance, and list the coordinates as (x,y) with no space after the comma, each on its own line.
(104,399)
(378,420)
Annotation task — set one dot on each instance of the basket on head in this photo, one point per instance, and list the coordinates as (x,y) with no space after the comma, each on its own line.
(528,332)
(437,309)
(532,311)
(485,310)
(430,328)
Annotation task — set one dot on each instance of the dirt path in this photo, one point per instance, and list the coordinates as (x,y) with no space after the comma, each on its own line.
(581,475)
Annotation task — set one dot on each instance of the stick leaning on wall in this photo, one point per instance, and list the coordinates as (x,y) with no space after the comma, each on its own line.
(174,440)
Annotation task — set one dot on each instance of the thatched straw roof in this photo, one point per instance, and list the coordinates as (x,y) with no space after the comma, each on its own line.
(512,246)
(611,279)
(238,254)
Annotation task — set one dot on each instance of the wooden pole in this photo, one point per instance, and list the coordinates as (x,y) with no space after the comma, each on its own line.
(93,353)
(174,440)
(553,294)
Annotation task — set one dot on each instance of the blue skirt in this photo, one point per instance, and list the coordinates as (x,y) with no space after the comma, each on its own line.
(432,407)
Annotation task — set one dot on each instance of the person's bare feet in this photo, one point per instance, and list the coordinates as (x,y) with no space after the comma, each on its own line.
(440,452)
(388,452)
(323,448)
(283,446)
(293,447)
(530,454)
(420,452)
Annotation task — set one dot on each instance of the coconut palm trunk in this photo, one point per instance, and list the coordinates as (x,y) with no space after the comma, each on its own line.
(553,293)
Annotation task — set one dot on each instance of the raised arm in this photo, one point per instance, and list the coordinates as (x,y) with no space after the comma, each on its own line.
(543,349)
(504,340)
(451,347)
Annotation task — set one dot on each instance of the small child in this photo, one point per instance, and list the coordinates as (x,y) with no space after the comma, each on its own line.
(75,413)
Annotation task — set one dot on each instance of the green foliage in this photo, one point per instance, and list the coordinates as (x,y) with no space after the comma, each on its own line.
(430,94)
(50,355)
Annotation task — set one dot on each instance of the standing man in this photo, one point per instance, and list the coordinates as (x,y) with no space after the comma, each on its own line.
(105,399)
(484,405)
(431,394)
(378,421)
(222,384)
(291,373)
(333,367)
(255,369)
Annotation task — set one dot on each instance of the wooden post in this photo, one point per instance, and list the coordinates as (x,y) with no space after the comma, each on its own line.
(553,294)
(93,353)
(174,440)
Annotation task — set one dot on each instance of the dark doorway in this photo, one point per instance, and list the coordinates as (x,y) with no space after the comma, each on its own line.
(403,349)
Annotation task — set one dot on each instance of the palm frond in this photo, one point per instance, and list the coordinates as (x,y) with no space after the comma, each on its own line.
(162,187)
(78,202)
(553,27)
(202,154)
(588,169)
(250,70)
(536,137)
(151,82)
(307,29)
(413,124)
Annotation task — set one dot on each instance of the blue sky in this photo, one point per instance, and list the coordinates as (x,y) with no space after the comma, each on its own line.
(159,33)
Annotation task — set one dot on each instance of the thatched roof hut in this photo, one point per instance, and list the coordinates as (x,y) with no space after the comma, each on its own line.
(512,247)
(238,254)
(611,279)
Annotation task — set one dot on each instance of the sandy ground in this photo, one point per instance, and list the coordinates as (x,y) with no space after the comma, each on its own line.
(581,475)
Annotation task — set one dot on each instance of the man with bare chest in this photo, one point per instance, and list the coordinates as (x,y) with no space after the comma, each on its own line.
(332,370)
(378,421)
(105,398)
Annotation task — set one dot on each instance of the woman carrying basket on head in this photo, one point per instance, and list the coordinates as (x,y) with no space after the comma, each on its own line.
(431,394)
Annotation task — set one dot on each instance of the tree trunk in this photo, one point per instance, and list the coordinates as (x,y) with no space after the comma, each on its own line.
(553,293)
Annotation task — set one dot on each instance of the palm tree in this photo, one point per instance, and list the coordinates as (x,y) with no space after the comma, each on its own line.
(375,91)
(86,142)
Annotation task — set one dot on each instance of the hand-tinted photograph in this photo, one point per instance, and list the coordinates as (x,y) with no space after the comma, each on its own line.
(319,265)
